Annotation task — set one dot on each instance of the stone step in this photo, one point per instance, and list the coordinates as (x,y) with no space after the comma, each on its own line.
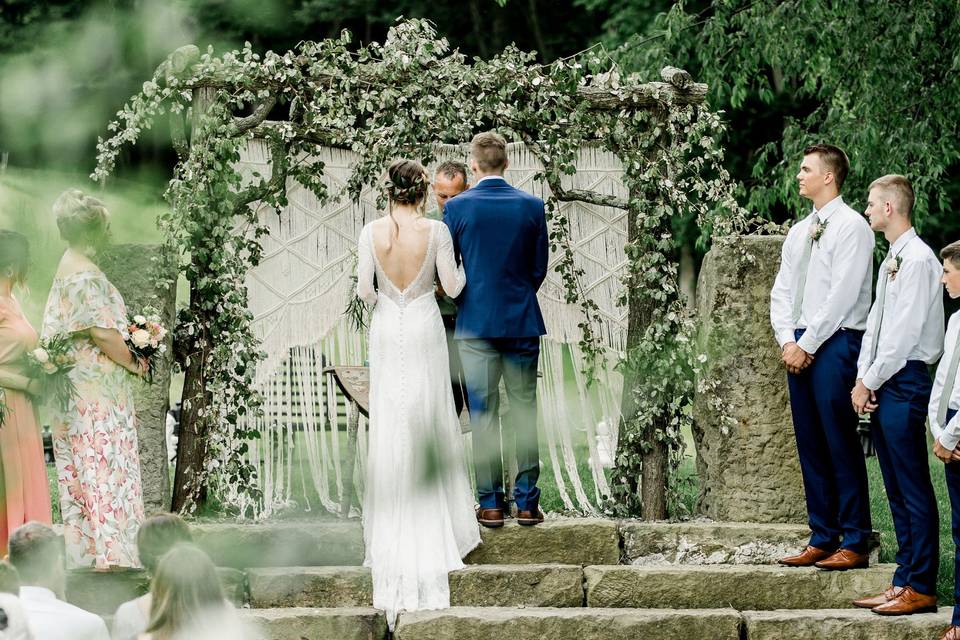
(530,585)
(358,623)
(558,540)
(103,592)
(843,624)
(331,543)
(738,587)
(707,542)
(483,623)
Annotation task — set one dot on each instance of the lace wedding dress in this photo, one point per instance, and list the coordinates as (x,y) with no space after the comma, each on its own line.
(418,508)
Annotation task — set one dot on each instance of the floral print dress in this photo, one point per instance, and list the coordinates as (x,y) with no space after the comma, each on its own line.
(95,439)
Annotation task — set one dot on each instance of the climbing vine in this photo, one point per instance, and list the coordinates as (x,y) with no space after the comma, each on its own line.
(401,98)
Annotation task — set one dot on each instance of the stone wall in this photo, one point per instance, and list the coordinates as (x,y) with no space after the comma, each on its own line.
(132,268)
(751,473)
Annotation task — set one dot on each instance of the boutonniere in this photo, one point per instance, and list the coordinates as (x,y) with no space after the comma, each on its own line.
(894,267)
(816,231)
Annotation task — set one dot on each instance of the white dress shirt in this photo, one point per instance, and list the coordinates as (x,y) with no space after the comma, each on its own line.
(53,619)
(912,324)
(839,277)
(948,434)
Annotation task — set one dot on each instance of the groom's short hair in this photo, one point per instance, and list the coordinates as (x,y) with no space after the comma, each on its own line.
(489,149)
(896,189)
(833,158)
(951,252)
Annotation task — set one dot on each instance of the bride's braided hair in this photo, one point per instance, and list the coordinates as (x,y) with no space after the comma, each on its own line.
(406,183)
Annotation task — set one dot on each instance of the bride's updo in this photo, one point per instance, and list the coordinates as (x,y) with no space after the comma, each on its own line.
(83,220)
(407,182)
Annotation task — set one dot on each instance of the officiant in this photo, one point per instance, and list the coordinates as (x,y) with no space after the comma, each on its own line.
(449,181)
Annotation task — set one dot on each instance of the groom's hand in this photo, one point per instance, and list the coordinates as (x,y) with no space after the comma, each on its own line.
(440,292)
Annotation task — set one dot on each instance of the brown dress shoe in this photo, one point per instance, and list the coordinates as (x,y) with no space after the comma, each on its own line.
(529,518)
(909,601)
(951,633)
(805,558)
(844,559)
(875,601)
(490,518)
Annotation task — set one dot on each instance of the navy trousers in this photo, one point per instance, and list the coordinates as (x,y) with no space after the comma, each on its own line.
(485,362)
(831,458)
(952,471)
(899,429)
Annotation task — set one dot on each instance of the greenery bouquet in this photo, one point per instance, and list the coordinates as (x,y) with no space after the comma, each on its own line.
(51,363)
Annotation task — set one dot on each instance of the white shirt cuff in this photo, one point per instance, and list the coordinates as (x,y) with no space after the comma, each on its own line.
(872,381)
(949,440)
(807,343)
(784,337)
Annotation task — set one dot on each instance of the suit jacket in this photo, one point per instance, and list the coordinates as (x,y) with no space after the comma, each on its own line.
(500,234)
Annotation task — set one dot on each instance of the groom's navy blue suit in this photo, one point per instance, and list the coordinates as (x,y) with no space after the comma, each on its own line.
(500,234)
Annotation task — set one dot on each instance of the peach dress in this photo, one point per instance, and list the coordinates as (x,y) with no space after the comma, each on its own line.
(24,495)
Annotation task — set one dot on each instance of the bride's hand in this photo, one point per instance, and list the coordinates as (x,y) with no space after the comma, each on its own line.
(139,367)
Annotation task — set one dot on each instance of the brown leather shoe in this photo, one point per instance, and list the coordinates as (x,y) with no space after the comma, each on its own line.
(875,601)
(805,558)
(490,518)
(529,518)
(951,633)
(844,559)
(909,601)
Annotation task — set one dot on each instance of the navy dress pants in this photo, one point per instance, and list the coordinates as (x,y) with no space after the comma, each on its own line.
(485,362)
(952,472)
(831,458)
(899,428)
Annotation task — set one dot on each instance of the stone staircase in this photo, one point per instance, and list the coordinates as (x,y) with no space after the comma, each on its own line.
(567,578)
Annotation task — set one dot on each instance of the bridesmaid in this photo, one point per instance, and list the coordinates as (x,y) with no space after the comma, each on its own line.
(24,495)
(95,439)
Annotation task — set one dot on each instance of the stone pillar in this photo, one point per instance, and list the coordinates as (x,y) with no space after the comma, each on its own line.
(133,269)
(751,473)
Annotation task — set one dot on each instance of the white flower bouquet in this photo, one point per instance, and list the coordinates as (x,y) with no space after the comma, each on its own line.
(147,337)
(50,363)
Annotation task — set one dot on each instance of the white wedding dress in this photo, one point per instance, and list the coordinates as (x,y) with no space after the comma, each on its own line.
(418,507)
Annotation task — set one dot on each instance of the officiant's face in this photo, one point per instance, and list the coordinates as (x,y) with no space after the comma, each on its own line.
(445,187)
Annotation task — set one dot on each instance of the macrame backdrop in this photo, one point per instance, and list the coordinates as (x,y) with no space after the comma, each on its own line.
(299,291)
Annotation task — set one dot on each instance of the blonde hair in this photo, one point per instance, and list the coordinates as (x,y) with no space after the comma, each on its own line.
(896,189)
(185,589)
(83,220)
(489,149)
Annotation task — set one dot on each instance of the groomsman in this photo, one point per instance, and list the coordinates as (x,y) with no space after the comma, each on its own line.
(944,424)
(904,336)
(818,309)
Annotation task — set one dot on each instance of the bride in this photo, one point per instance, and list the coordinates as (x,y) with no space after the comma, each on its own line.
(418,509)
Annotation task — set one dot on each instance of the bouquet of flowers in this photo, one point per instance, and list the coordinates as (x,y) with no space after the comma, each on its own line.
(50,363)
(147,337)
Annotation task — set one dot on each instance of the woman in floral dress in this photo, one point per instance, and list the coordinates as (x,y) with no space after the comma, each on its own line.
(24,495)
(95,439)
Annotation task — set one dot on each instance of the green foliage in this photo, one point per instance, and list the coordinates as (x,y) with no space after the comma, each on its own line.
(397,99)
(879,79)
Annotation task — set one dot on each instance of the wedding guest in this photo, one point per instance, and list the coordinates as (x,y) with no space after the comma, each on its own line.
(451,180)
(13,619)
(158,534)
(944,424)
(188,601)
(95,439)
(37,553)
(24,493)
(818,309)
(904,336)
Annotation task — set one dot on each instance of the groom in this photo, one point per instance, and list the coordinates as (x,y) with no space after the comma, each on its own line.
(500,234)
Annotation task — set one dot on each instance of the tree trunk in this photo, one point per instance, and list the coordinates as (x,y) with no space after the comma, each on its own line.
(191,446)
